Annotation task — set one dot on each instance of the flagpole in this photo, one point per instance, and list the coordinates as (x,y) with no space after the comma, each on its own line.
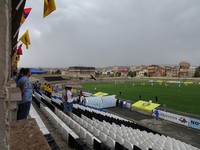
(19,5)
(17,31)
(16,8)
(15,45)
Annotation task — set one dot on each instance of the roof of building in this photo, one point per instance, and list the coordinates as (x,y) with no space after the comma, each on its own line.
(81,68)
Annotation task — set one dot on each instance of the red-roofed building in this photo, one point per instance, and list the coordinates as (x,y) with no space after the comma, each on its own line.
(123,72)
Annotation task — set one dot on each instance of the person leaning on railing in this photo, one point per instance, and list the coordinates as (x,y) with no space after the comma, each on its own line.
(26,91)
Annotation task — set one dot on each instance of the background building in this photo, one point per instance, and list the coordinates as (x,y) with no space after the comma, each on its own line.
(79,72)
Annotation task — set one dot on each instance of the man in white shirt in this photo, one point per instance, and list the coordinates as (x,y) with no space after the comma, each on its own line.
(68,99)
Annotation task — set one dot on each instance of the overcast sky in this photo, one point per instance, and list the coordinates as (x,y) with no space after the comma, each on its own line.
(100,33)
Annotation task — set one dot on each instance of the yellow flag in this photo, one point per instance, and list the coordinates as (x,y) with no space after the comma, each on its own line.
(15,60)
(25,39)
(49,7)
(16,57)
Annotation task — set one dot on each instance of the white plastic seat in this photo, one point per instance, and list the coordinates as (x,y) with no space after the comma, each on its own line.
(167,148)
(119,139)
(83,133)
(89,121)
(95,124)
(57,112)
(73,116)
(119,133)
(100,128)
(113,130)
(138,139)
(77,128)
(80,121)
(96,132)
(89,139)
(83,117)
(126,137)
(90,128)
(128,145)
(106,131)
(125,134)
(60,127)
(112,135)
(143,147)
(134,142)
(110,142)
(61,115)
(56,121)
(147,143)
(85,124)
(66,119)
(157,147)
(102,137)
(76,118)
(72,124)
(66,131)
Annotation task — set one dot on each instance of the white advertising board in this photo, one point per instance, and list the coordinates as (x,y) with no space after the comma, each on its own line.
(172,117)
(194,123)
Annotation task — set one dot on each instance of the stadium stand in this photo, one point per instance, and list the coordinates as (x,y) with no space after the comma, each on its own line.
(93,129)
(53,78)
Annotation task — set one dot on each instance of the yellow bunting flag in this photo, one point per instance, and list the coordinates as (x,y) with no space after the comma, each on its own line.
(16,58)
(25,39)
(49,7)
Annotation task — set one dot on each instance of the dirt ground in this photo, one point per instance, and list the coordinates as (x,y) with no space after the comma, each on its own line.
(25,134)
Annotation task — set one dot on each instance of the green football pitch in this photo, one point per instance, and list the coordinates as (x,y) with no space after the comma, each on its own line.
(183,98)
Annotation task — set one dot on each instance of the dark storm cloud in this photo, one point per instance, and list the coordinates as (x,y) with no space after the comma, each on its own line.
(113,32)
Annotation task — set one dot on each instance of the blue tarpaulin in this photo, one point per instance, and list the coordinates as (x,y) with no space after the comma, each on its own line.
(37,71)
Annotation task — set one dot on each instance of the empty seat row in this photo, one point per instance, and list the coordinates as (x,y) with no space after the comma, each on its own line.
(80,127)
(68,134)
(136,138)
(34,114)
(78,110)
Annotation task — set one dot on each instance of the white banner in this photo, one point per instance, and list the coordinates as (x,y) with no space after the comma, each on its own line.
(171,117)
(194,123)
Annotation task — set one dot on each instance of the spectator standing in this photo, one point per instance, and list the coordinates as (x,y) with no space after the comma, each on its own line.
(64,100)
(14,75)
(120,93)
(156,98)
(49,91)
(37,86)
(117,102)
(140,96)
(121,103)
(20,74)
(124,103)
(26,91)
(45,88)
(68,100)
(81,97)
